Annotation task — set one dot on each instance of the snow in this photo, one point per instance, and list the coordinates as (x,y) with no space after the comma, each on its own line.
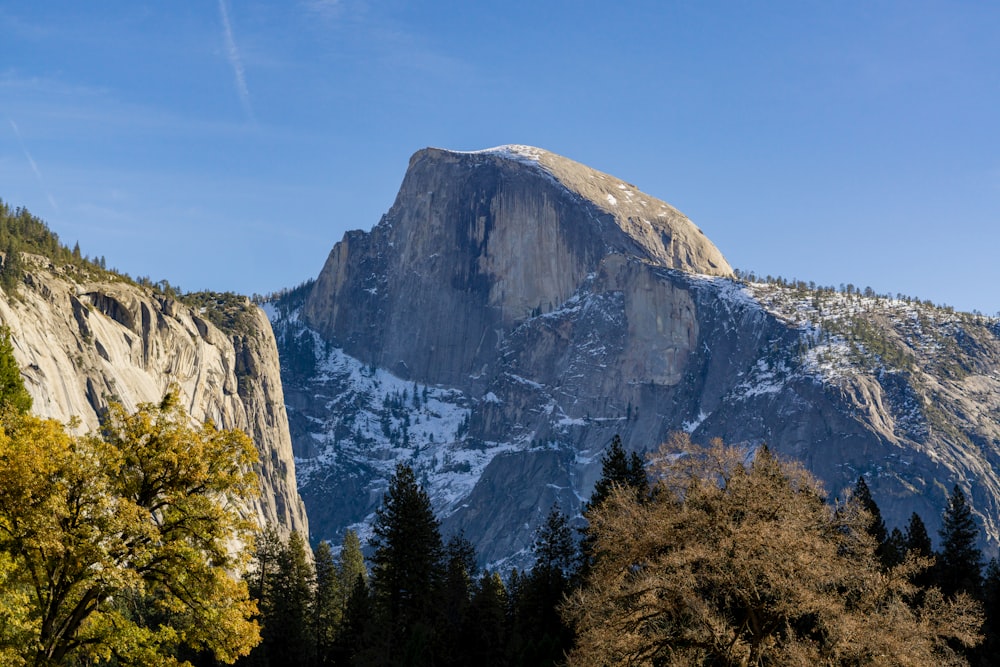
(434,446)
(612,200)
(692,426)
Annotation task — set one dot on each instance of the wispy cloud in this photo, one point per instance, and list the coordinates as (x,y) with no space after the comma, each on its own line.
(31,161)
(233,52)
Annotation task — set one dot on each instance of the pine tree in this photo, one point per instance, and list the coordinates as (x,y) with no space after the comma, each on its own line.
(959,566)
(356,631)
(485,636)
(352,564)
(543,637)
(12,268)
(328,606)
(406,570)
(288,613)
(917,539)
(460,568)
(13,395)
(617,470)
(876,527)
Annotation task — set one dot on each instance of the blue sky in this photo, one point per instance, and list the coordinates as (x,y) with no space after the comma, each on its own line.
(229,144)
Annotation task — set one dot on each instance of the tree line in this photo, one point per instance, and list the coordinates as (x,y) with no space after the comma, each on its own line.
(698,557)
(117,548)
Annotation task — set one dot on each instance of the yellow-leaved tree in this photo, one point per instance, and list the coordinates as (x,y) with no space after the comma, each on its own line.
(123,546)
(737,562)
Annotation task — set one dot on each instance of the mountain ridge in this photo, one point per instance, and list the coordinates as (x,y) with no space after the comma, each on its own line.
(552,329)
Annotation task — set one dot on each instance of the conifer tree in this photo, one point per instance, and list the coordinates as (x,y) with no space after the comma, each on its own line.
(356,632)
(485,637)
(287,607)
(960,563)
(406,570)
(541,634)
(351,566)
(456,591)
(617,470)
(328,606)
(13,395)
(12,268)
(917,539)
(876,527)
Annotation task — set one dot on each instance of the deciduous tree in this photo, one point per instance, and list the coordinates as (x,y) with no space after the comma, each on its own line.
(126,538)
(730,563)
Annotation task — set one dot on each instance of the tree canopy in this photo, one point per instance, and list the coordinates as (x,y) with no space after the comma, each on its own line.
(119,546)
(736,563)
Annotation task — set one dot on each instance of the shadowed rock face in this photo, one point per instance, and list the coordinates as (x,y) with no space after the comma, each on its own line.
(83,343)
(477,242)
(538,307)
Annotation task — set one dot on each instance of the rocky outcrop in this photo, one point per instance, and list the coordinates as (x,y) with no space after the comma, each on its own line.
(477,242)
(515,310)
(84,340)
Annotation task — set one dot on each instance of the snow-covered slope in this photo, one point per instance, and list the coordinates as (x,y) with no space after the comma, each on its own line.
(543,312)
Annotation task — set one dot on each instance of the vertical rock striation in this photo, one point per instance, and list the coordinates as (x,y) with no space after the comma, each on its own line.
(81,343)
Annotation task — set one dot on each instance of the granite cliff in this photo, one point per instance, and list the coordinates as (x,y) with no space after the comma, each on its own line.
(514,310)
(83,337)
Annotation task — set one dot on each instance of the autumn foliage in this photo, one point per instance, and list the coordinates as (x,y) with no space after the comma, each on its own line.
(734,559)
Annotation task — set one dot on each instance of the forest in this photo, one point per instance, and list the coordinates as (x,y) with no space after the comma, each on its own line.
(117,548)
(127,547)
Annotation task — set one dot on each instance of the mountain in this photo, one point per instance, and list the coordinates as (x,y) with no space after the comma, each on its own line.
(514,310)
(84,336)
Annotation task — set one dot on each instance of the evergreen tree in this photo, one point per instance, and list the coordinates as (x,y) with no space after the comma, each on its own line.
(12,268)
(894,549)
(917,539)
(287,612)
(13,395)
(617,470)
(328,606)
(357,627)
(987,652)
(406,570)
(460,568)
(351,565)
(541,635)
(485,637)
(960,563)
(876,526)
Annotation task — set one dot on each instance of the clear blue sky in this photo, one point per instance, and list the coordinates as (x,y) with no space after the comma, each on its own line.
(228,145)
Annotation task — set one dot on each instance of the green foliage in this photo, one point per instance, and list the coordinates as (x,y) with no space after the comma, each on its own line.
(328,605)
(126,537)
(13,395)
(960,563)
(20,231)
(232,313)
(406,569)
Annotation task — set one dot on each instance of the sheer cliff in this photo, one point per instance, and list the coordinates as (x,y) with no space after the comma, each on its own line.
(514,310)
(83,337)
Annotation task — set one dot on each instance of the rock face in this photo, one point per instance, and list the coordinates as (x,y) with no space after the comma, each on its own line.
(82,342)
(514,310)
(477,242)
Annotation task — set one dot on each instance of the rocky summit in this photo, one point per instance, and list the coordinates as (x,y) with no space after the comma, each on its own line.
(514,310)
